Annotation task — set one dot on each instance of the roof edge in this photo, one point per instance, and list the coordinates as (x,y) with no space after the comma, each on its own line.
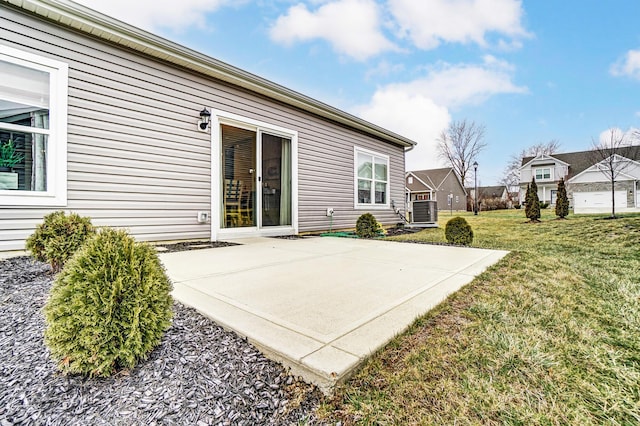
(94,23)
(541,157)
(593,167)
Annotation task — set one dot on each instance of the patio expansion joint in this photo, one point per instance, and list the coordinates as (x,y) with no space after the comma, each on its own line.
(411,296)
(225,300)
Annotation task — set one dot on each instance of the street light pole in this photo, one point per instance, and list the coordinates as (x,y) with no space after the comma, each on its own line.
(475,193)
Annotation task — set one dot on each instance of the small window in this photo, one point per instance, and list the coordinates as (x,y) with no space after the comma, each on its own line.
(543,174)
(33,108)
(410,180)
(371,179)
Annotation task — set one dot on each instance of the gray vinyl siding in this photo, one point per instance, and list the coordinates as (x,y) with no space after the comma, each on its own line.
(136,159)
(451,185)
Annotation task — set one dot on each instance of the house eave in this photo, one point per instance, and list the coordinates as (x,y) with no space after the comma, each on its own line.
(543,157)
(86,20)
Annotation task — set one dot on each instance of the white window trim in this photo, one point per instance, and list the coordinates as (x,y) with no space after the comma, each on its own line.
(372,206)
(219,117)
(56,193)
(535,174)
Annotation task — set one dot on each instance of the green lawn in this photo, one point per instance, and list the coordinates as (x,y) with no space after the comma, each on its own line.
(549,335)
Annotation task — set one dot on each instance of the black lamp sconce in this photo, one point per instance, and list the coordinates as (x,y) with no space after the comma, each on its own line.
(205,117)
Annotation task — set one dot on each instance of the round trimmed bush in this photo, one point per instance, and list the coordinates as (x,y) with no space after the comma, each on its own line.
(58,237)
(109,307)
(367,226)
(458,231)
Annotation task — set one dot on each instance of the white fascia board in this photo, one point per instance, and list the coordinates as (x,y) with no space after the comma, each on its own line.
(542,157)
(445,178)
(102,26)
(430,188)
(595,168)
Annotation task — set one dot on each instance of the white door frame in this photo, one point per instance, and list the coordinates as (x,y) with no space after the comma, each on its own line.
(219,117)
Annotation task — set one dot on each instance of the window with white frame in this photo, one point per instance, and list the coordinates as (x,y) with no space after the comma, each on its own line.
(543,173)
(371,179)
(33,109)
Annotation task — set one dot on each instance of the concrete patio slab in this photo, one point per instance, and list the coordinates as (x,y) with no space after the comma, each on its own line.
(321,305)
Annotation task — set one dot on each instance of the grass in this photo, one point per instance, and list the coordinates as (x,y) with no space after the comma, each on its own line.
(550,335)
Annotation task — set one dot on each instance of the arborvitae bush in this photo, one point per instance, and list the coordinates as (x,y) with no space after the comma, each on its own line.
(533,202)
(109,307)
(368,227)
(562,201)
(458,231)
(527,200)
(58,237)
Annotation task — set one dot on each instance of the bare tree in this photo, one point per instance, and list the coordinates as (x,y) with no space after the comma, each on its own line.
(512,171)
(511,175)
(460,145)
(611,154)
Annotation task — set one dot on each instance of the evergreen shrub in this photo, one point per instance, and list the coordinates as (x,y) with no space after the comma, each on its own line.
(368,227)
(458,231)
(562,201)
(532,209)
(109,307)
(58,237)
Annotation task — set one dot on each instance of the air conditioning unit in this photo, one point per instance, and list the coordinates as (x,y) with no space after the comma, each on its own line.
(425,212)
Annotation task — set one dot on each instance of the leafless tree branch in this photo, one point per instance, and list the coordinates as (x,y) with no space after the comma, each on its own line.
(610,156)
(511,175)
(460,144)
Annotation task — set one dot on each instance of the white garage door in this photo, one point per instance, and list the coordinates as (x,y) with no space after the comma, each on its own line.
(589,202)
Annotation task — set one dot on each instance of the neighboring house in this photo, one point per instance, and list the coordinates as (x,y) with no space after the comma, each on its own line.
(111,124)
(493,192)
(442,185)
(492,197)
(588,188)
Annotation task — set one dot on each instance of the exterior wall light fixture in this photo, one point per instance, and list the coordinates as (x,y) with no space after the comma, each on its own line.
(203,123)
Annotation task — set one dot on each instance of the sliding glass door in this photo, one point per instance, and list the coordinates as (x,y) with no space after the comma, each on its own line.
(238,177)
(256,179)
(276,180)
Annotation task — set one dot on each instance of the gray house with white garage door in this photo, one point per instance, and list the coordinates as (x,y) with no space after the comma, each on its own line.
(137,132)
(586,176)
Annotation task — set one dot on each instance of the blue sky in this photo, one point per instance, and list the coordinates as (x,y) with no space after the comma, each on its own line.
(530,71)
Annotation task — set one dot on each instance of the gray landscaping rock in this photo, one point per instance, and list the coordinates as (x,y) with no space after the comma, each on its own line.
(199,375)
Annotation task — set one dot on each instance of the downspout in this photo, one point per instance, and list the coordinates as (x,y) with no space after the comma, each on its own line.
(406,207)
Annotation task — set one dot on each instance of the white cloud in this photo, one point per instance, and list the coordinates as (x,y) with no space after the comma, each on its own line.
(383,69)
(420,109)
(352,27)
(430,22)
(154,14)
(414,116)
(628,66)
(464,84)
(617,136)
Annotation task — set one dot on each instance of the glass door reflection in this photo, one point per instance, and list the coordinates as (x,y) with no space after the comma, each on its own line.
(239,177)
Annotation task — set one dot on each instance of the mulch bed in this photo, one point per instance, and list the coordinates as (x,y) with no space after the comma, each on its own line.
(199,375)
(191,245)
